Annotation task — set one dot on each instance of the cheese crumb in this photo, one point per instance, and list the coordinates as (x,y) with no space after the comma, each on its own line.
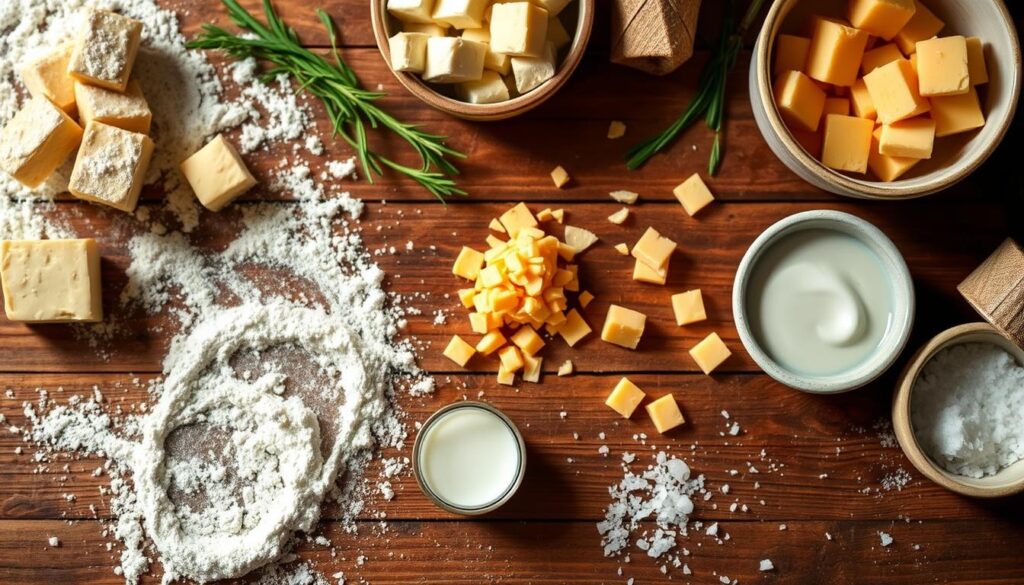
(560,177)
(620,216)
(616,129)
(627,197)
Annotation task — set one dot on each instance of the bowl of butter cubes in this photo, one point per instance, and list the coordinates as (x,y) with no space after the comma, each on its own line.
(482,59)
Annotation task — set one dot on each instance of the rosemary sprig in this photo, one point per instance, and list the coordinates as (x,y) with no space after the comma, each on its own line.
(710,99)
(350,107)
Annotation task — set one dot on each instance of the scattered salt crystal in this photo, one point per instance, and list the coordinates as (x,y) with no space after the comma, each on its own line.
(766,565)
(885,538)
(54,541)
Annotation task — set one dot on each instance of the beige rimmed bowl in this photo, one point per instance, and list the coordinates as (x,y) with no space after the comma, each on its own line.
(385,25)
(955,157)
(1006,482)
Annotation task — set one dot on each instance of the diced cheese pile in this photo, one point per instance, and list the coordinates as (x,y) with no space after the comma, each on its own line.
(874,92)
(491,50)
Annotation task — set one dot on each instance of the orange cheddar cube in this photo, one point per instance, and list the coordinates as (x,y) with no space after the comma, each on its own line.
(922,25)
(836,52)
(976,61)
(527,340)
(912,138)
(837,105)
(511,359)
(942,67)
(893,91)
(847,143)
(880,55)
(799,100)
(468,263)
(490,342)
(665,413)
(957,113)
(459,351)
(574,329)
(623,327)
(790,53)
(625,397)
(881,18)
(887,168)
(860,101)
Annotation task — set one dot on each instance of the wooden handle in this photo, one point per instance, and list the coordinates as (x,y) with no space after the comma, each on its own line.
(996,290)
(655,36)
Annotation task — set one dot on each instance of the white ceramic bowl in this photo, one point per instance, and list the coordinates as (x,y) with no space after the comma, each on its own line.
(894,339)
(955,157)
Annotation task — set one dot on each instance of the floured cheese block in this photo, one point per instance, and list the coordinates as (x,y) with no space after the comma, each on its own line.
(894,93)
(36,141)
(217,174)
(914,138)
(665,413)
(942,66)
(412,11)
(460,13)
(530,72)
(836,52)
(105,49)
(431,29)
(51,281)
(688,307)
(519,29)
(623,327)
(579,238)
(47,77)
(489,89)
(499,62)
(625,397)
(693,194)
(881,18)
(922,25)
(957,113)
(128,110)
(459,351)
(799,100)
(710,353)
(887,168)
(653,249)
(111,166)
(557,35)
(847,143)
(408,52)
(454,60)
(574,329)
(790,53)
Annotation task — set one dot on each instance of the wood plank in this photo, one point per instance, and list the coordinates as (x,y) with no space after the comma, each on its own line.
(802,438)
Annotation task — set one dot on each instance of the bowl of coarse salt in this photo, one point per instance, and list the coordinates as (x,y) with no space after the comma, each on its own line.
(958,411)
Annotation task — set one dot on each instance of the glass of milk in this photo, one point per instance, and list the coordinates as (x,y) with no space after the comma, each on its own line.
(469,458)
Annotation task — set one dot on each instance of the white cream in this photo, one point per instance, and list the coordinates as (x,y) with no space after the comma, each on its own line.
(820,302)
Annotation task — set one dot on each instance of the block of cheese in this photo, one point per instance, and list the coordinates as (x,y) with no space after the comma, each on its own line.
(799,100)
(942,66)
(413,11)
(879,56)
(530,72)
(128,110)
(105,49)
(36,141)
(625,397)
(957,113)
(623,327)
(408,51)
(665,413)
(519,29)
(836,105)
(976,61)
(847,143)
(688,307)
(491,342)
(453,60)
(923,25)
(653,249)
(526,339)
(881,18)
(511,358)
(893,91)
(644,273)
(517,218)
(468,263)
(557,34)
(460,13)
(111,166)
(532,368)
(574,329)
(47,77)
(459,351)
(710,353)
(912,138)
(887,168)
(693,194)
(217,174)
(499,62)
(835,53)
(51,281)
(489,89)
(790,53)
(860,101)
(431,29)
(505,377)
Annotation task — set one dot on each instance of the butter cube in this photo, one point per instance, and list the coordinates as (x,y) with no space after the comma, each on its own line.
(644,273)
(408,52)
(693,194)
(519,29)
(530,72)
(623,327)
(532,368)
(882,18)
(976,61)
(942,67)
(710,353)
(688,307)
(625,397)
(51,281)
(468,263)
(431,29)
(460,13)
(111,166)
(653,249)
(665,413)
(799,100)
(128,110)
(412,11)
(459,351)
(217,174)
(847,143)
(912,138)
(923,25)
(860,101)
(47,77)
(881,55)
(893,91)
(453,60)
(499,62)
(511,359)
(36,141)
(574,329)
(527,340)
(790,53)
(517,219)
(105,49)
(957,113)
(490,343)
(557,35)
(887,168)
(489,89)
(836,52)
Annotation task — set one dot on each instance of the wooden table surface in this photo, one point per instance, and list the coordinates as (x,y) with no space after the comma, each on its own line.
(826,463)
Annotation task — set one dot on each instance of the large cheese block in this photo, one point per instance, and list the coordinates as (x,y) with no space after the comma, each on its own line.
(111,166)
(36,141)
(51,281)
(105,49)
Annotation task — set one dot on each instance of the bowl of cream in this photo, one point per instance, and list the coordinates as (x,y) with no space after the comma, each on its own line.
(823,301)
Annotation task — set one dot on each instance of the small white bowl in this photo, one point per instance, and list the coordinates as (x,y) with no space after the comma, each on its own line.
(894,339)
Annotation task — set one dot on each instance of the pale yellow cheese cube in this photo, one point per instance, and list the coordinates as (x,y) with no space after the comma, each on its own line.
(887,168)
(693,194)
(466,297)
(47,77)
(799,100)
(490,342)
(623,327)
(616,129)
(847,143)
(460,13)
(518,29)
(498,62)
(511,358)
(625,397)
(710,353)
(531,72)
(431,29)
(105,49)
(111,166)
(489,89)
(560,177)
(527,340)
(790,53)
(976,61)
(880,55)
(454,60)
(893,91)
(408,51)
(36,141)
(557,35)
(644,273)
(957,113)
(478,322)
(574,329)
(913,138)
(505,377)
(882,18)
(459,351)
(566,368)
(217,174)
(517,218)
(51,281)
(412,11)
(532,368)
(653,249)
(128,110)
(835,53)
(688,307)
(665,413)
(922,25)
(942,67)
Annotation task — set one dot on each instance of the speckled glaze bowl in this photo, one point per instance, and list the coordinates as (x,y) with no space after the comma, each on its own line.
(895,338)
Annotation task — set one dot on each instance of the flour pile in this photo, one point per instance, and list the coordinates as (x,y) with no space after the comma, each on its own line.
(280,378)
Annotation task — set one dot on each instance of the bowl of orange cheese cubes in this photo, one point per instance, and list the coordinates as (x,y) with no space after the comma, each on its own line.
(885,99)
